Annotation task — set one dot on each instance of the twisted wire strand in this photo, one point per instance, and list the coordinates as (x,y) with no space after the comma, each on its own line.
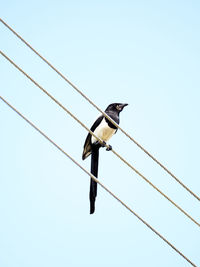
(97,181)
(83,125)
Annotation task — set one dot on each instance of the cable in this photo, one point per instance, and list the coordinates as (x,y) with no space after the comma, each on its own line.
(83,125)
(96,180)
(94,105)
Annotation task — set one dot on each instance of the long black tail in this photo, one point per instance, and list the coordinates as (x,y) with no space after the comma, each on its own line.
(94,171)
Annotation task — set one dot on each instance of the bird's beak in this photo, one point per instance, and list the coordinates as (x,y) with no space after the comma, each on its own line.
(122,106)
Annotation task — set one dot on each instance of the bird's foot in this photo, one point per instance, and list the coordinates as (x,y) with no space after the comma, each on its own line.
(109,148)
(103,144)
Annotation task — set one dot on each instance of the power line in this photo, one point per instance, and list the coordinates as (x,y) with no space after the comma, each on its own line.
(96,180)
(94,105)
(83,125)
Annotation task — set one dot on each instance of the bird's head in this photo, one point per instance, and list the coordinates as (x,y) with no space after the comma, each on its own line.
(116,107)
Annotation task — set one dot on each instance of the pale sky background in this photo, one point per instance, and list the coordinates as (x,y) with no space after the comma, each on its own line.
(145,53)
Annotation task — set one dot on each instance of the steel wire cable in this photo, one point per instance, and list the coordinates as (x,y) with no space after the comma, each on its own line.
(83,125)
(97,181)
(101,111)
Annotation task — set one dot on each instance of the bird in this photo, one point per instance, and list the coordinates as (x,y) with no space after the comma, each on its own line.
(104,130)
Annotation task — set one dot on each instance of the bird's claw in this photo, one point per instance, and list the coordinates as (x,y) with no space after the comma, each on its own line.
(103,144)
(109,148)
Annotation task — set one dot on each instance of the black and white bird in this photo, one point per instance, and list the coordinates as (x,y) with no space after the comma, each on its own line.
(103,129)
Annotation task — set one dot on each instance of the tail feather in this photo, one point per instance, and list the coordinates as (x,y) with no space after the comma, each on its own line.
(94,171)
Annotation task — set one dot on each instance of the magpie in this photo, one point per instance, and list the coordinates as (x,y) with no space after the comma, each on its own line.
(103,129)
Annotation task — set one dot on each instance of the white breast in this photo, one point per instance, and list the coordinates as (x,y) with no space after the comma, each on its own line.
(103,131)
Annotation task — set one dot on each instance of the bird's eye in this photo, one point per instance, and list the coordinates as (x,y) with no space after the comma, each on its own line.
(118,107)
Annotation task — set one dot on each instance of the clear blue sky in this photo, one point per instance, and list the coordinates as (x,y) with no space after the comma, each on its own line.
(145,53)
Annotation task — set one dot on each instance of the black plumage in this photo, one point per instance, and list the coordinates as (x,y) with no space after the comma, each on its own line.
(104,130)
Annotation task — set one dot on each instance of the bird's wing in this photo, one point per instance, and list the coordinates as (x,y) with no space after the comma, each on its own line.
(87,146)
